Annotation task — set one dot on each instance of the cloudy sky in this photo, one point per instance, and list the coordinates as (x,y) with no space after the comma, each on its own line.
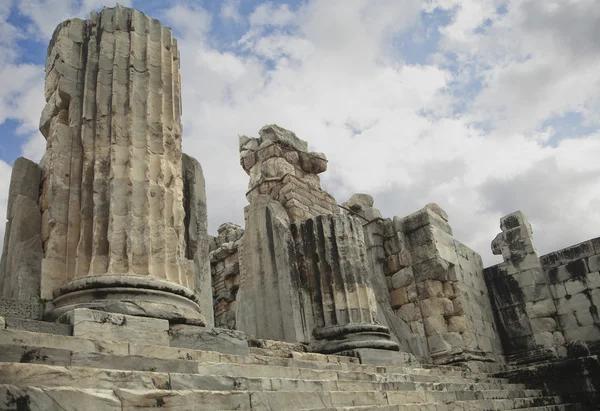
(482,106)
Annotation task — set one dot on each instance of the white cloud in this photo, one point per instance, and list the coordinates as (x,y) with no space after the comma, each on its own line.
(45,15)
(407,134)
(230,10)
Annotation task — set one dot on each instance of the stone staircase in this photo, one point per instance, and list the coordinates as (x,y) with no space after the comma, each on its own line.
(41,371)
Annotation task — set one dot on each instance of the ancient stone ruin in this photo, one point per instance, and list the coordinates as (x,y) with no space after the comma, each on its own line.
(113,296)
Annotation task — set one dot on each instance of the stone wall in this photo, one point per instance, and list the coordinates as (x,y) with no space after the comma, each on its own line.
(574,278)
(432,283)
(544,305)
(436,285)
(280,165)
(225,272)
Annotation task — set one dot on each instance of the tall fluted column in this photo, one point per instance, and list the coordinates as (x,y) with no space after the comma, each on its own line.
(335,285)
(112,188)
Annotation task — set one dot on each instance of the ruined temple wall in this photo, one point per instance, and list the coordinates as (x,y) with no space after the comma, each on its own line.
(574,278)
(436,285)
(226,250)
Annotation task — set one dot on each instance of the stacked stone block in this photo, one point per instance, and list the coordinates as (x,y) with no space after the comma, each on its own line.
(280,165)
(225,272)
(574,276)
(523,302)
(383,245)
(436,285)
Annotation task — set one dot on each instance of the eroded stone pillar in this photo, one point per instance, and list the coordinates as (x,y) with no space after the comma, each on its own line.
(335,285)
(112,189)
(305,274)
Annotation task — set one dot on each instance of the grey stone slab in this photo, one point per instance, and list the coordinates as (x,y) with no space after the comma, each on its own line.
(35,355)
(183,400)
(12,307)
(35,326)
(18,337)
(57,398)
(41,375)
(385,357)
(210,339)
(119,327)
(133,362)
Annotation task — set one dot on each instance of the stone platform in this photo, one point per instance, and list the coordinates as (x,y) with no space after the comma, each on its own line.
(119,362)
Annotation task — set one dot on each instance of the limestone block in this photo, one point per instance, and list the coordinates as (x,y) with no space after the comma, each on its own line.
(434,269)
(583,333)
(268,304)
(132,399)
(273,132)
(544,324)
(457,323)
(418,327)
(399,297)
(430,288)
(584,317)
(196,234)
(545,339)
(100,325)
(313,163)
(569,303)
(53,398)
(536,292)
(593,262)
(395,263)
(11,307)
(470,340)
(567,321)
(2,323)
(402,278)
(411,291)
(409,312)
(430,233)
(576,285)
(559,338)
(569,254)
(484,343)
(45,327)
(543,308)
(436,306)
(448,289)
(423,217)
(593,280)
(433,250)
(20,267)
(209,339)
(558,290)
(435,324)
(25,181)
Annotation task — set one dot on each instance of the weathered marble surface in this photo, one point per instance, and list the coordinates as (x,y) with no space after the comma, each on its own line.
(196,234)
(280,165)
(210,339)
(20,265)
(268,303)
(98,325)
(112,186)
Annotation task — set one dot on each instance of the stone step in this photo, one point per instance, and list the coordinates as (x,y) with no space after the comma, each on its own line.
(333,363)
(448,407)
(45,327)
(43,375)
(69,398)
(11,307)
(85,377)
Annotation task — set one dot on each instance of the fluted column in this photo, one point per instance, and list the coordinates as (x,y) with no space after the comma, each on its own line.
(112,189)
(335,285)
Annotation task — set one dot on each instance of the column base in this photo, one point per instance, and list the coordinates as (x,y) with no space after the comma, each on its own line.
(338,338)
(132,295)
